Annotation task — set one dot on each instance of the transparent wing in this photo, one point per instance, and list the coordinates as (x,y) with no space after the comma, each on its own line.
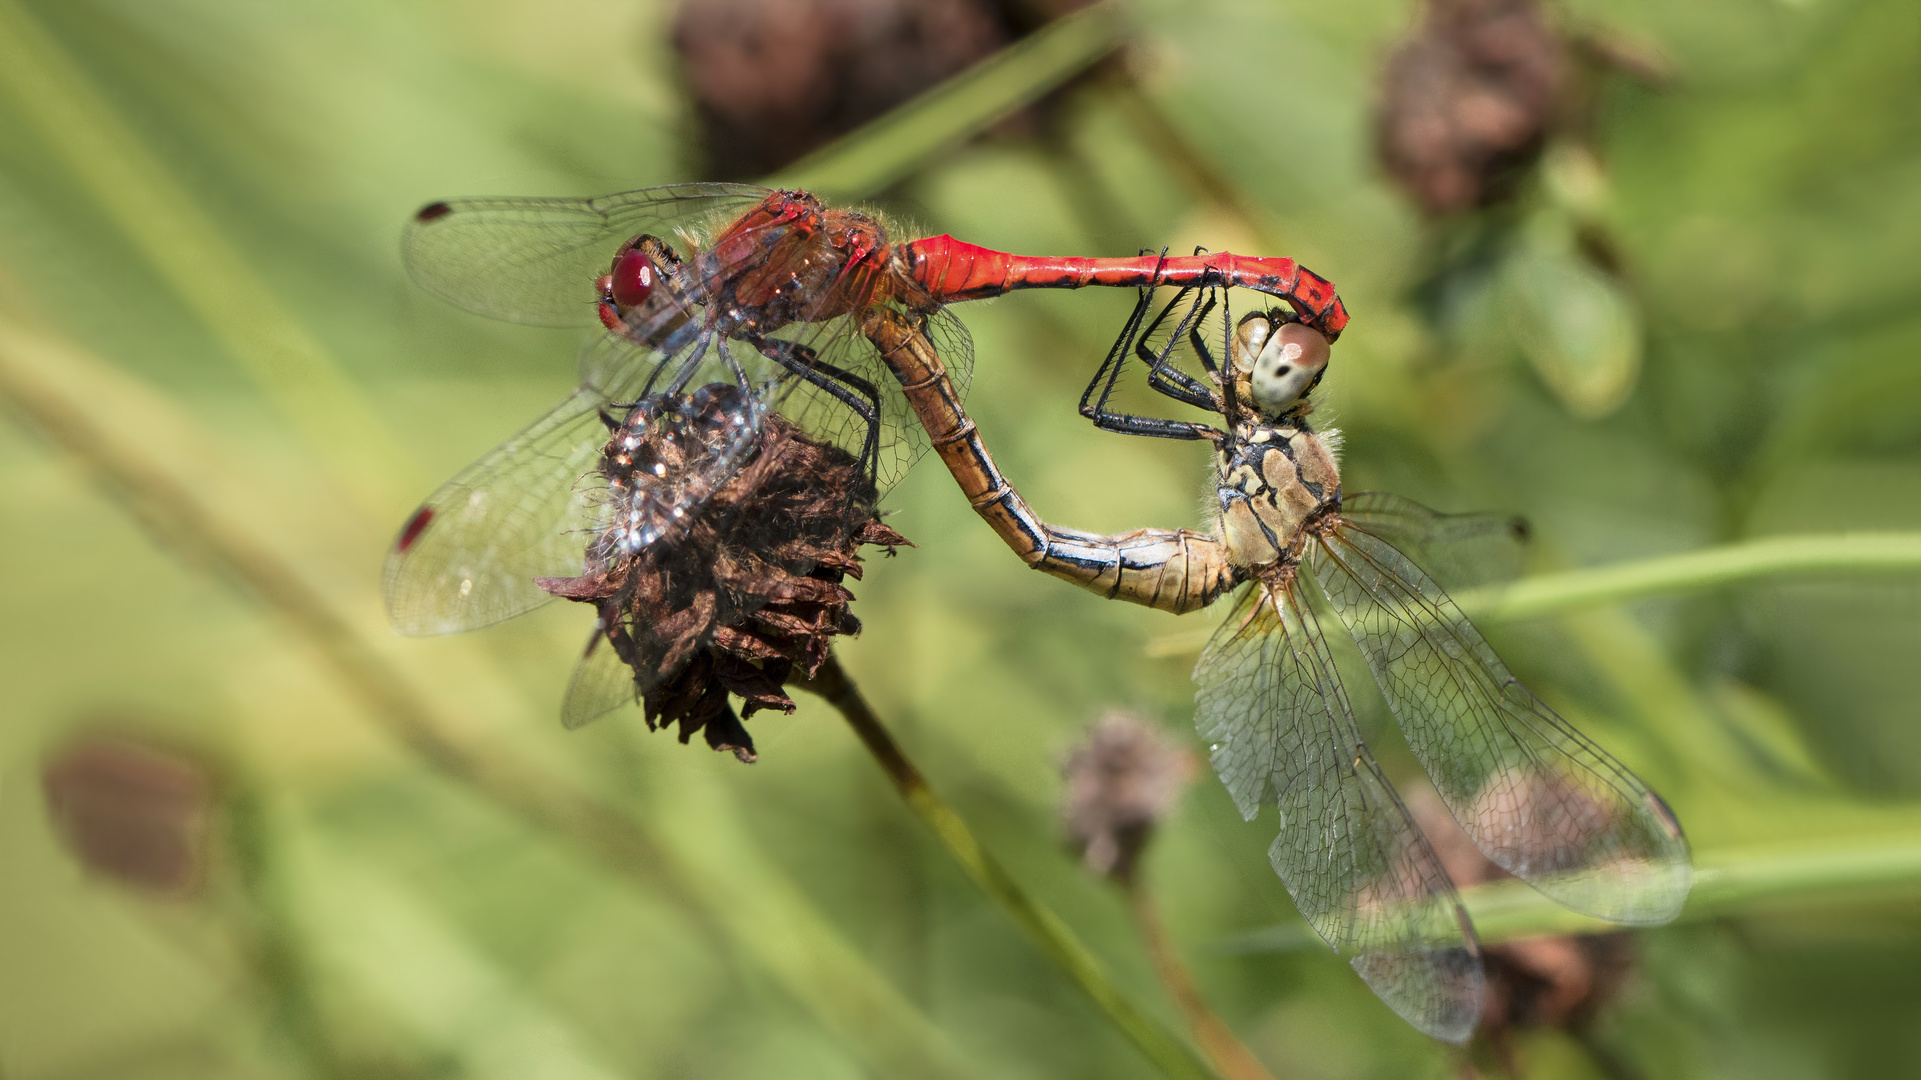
(1461,551)
(1279,725)
(540,504)
(535,260)
(469,556)
(1535,795)
(830,382)
(601,683)
(828,410)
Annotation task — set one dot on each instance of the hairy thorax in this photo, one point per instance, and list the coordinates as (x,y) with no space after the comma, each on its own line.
(1276,482)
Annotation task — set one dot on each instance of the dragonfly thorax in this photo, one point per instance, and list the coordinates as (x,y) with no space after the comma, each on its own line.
(1276,480)
(1276,475)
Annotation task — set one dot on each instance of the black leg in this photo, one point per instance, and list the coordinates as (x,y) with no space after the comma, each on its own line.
(1108,377)
(1162,375)
(844,386)
(1200,344)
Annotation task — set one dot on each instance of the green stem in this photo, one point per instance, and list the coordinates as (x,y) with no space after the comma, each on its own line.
(1708,568)
(1053,936)
(1833,553)
(1727,882)
(186,248)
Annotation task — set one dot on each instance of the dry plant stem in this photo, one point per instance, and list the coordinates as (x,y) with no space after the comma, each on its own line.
(1048,931)
(178,520)
(1231,1058)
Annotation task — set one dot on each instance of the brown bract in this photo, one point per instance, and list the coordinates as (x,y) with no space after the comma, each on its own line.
(1121,782)
(751,590)
(1467,101)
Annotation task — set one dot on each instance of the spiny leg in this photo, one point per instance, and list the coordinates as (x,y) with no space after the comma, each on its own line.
(844,386)
(1107,377)
(1162,376)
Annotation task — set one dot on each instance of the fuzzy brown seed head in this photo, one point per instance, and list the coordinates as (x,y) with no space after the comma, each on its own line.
(1121,782)
(772,79)
(749,591)
(1467,101)
(132,812)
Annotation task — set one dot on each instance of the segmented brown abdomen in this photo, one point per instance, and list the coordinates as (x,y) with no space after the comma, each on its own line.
(1175,570)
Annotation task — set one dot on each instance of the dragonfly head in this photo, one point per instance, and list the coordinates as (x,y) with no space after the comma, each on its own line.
(1279,359)
(631,281)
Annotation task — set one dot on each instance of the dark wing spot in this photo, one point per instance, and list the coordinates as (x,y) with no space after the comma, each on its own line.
(414,527)
(432,211)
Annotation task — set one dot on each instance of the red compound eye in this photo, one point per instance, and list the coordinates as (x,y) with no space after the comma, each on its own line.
(633,279)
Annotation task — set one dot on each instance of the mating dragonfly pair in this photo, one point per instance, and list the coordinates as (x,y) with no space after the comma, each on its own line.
(732,312)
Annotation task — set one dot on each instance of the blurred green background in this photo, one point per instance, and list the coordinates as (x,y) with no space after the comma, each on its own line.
(199,209)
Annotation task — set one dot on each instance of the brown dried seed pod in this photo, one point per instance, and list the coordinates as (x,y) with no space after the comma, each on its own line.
(773,79)
(1468,100)
(750,590)
(132,812)
(1121,782)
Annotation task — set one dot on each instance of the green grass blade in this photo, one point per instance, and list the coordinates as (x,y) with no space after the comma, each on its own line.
(186,248)
(1735,881)
(1837,553)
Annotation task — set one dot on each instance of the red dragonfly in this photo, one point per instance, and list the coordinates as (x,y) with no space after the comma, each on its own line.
(722,304)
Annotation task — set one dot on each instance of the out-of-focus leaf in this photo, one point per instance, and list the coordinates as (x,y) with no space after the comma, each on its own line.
(1577,326)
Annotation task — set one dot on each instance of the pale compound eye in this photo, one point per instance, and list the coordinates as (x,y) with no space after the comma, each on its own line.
(1287,366)
(1248,339)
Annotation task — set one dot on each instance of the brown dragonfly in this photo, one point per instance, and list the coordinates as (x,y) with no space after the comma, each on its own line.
(1535,795)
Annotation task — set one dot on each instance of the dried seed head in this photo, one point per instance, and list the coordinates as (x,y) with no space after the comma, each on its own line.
(1546,982)
(134,813)
(1120,783)
(772,79)
(752,587)
(1468,100)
